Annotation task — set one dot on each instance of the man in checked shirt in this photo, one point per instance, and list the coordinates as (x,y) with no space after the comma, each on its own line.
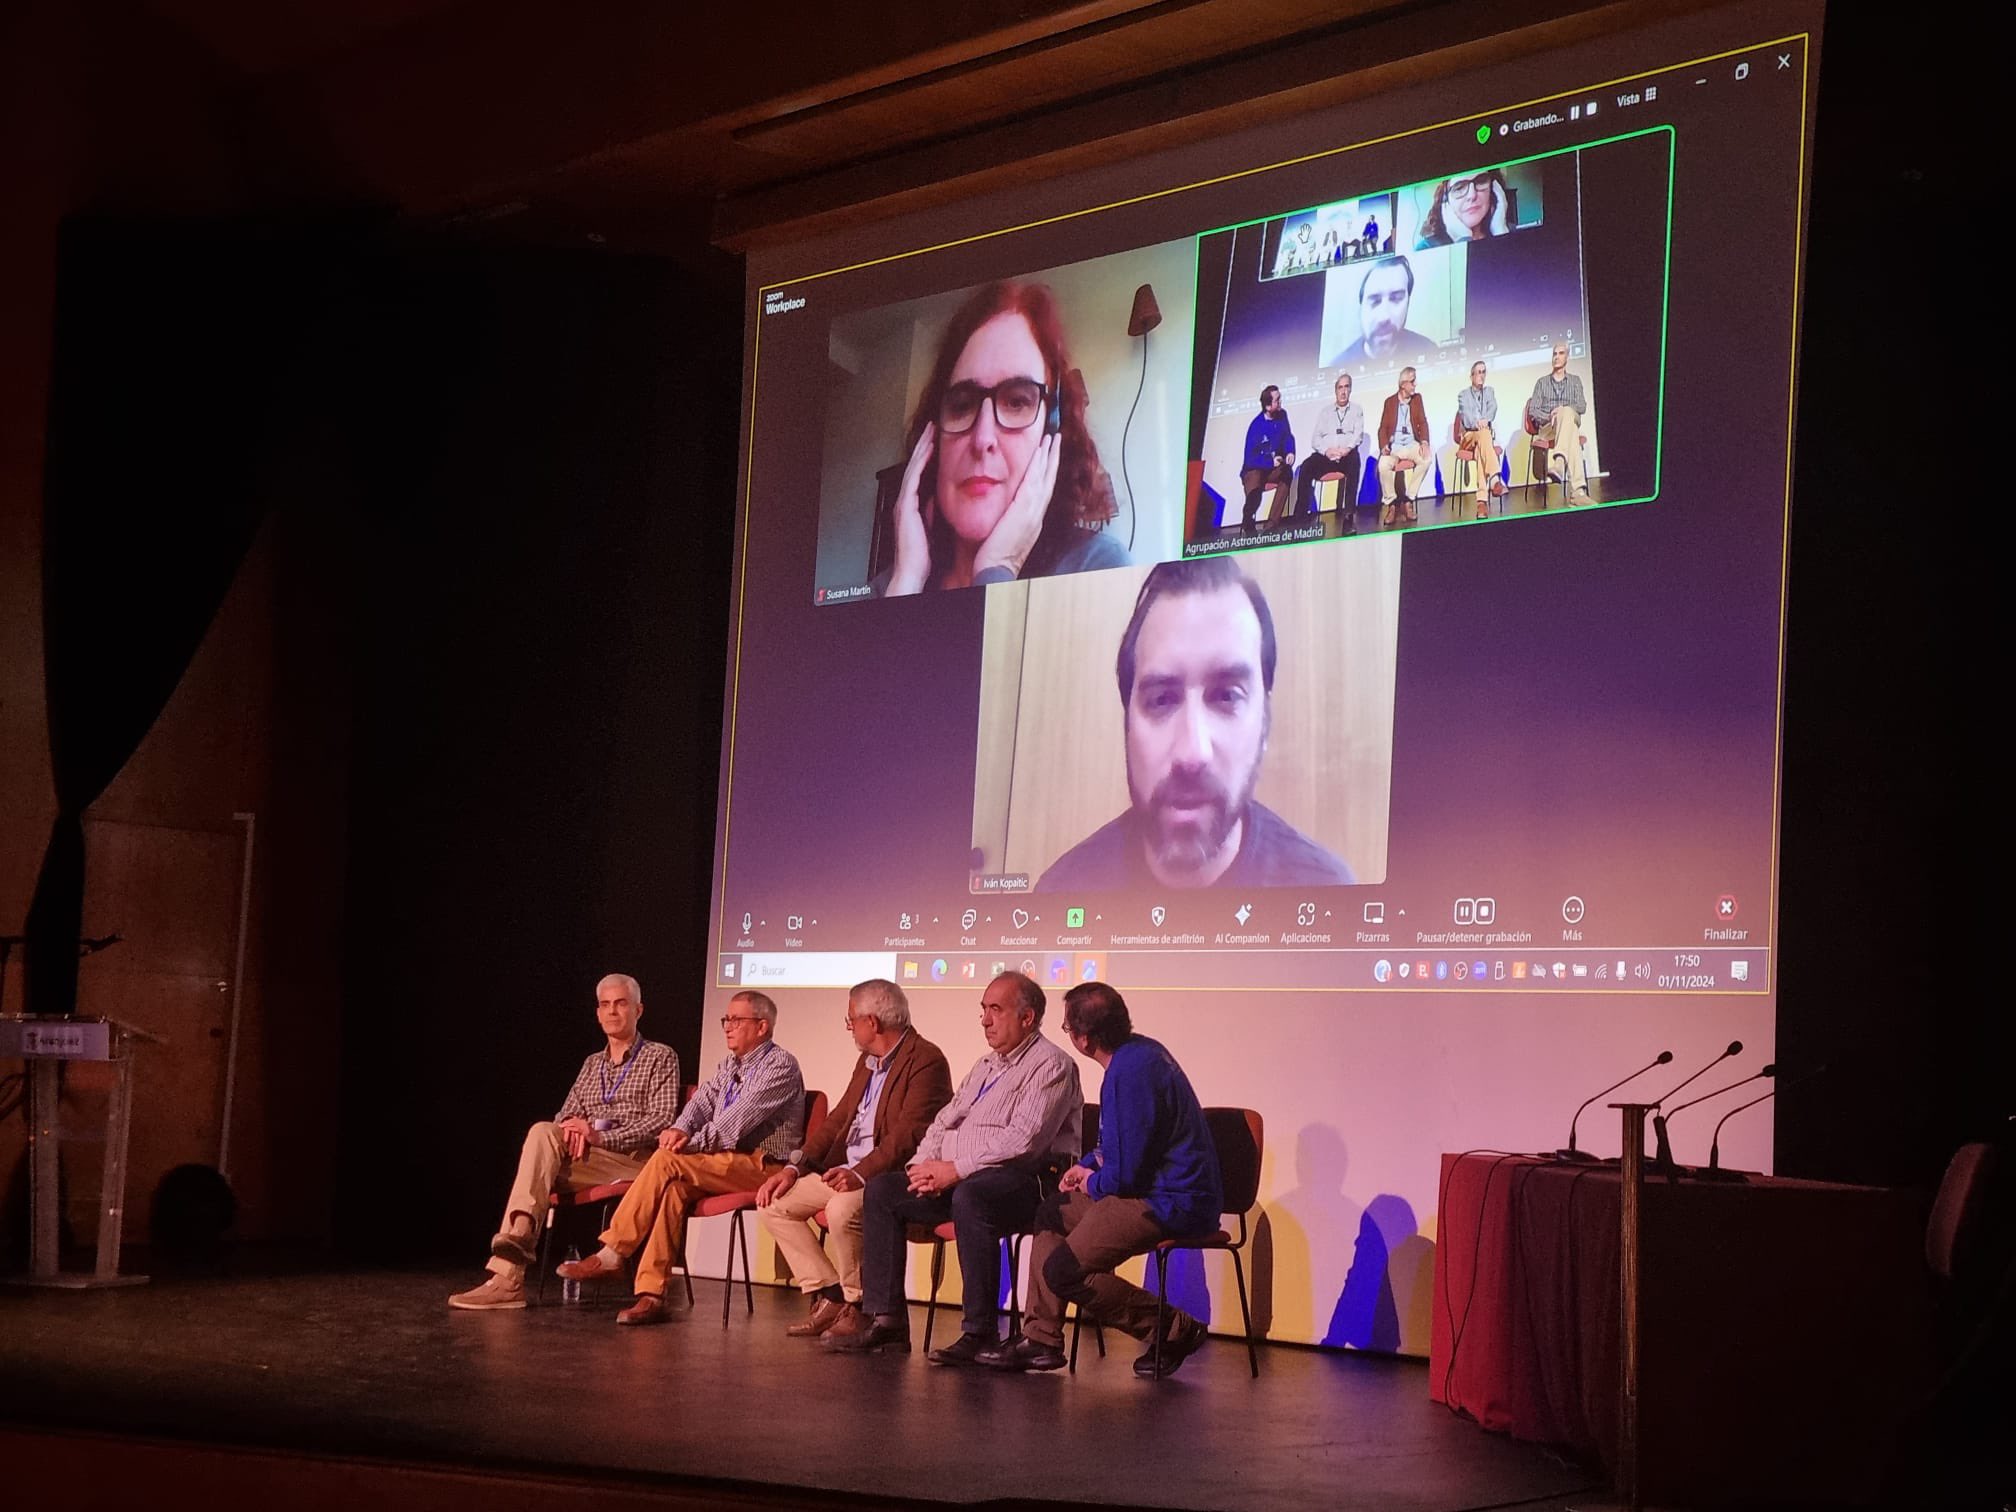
(625,1096)
(987,1161)
(739,1128)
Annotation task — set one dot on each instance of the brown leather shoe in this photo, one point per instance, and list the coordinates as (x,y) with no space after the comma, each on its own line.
(848,1322)
(825,1313)
(594,1268)
(870,1338)
(648,1308)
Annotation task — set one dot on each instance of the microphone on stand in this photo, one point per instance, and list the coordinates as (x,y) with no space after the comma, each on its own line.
(1713,1170)
(1662,1156)
(1735,1048)
(1571,1153)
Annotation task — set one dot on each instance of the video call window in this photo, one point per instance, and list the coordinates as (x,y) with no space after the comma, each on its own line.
(1313,241)
(1190,725)
(1494,265)
(1019,428)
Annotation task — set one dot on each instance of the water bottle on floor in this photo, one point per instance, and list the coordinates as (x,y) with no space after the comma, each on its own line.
(570,1289)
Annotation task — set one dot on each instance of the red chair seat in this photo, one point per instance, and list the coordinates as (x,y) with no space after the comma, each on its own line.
(589,1196)
(720,1204)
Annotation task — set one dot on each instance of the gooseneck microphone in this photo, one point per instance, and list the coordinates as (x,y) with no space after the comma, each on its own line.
(1571,1153)
(1735,1048)
(1663,1150)
(1769,1071)
(1713,1170)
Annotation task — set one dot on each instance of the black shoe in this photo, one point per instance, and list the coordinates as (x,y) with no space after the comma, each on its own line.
(873,1339)
(961,1351)
(1022,1353)
(1185,1337)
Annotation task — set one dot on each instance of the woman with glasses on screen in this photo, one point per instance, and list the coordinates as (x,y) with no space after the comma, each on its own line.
(1003,480)
(1467,209)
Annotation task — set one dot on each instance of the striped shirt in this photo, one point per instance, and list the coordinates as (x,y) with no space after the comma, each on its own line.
(756,1103)
(639,1097)
(1019,1109)
(1343,428)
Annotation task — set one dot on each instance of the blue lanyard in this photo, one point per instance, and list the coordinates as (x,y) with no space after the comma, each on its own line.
(728,1098)
(609,1092)
(878,1075)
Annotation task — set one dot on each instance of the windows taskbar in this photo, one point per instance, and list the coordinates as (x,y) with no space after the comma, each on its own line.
(1248,968)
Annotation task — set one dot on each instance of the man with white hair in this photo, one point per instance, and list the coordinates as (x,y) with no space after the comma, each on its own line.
(1556,409)
(900,1082)
(738,1129)
(626,1095)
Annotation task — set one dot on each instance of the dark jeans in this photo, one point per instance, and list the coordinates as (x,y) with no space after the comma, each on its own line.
(1315,466)
(985,1206)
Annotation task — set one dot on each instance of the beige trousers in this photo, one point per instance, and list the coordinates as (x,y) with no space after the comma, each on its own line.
(789,1221)
(1487,457)
(1563,433)
(543,1169)
(1388,466)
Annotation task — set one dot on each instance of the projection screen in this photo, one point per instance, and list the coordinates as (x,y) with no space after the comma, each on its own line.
(1073,632)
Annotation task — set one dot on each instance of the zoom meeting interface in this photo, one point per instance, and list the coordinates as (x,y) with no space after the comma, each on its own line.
(1348,556)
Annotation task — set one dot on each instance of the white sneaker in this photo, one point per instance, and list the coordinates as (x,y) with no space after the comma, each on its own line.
(498,1294)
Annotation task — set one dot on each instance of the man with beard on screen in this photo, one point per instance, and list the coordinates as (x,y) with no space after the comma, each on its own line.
(1385,299)
(1196,673)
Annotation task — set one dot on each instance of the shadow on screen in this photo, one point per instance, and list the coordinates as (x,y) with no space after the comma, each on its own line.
(1386,1301)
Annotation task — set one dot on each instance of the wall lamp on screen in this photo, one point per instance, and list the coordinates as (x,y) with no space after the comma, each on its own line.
(1143,318)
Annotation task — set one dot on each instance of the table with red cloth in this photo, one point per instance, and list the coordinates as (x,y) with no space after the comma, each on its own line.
(1785,1325)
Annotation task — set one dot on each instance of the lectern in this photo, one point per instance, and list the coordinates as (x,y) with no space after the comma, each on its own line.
(45,1043)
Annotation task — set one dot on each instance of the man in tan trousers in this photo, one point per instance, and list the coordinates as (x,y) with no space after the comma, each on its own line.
(900,1082)
(733,1135)
(625,1096)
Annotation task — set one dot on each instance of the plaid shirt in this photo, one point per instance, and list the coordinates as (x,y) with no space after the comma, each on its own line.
(1016,1110)
(753,1104)
(643,1100)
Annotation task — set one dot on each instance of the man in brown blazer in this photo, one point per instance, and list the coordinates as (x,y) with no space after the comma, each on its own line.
(1403,448)
(900,1082)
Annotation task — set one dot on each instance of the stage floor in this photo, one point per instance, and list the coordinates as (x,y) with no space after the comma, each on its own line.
(376,1364)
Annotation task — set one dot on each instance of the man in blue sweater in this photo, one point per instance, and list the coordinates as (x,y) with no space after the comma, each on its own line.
(1270,454)
(1153,1176)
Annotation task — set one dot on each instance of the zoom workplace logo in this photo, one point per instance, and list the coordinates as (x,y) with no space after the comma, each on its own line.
(777,302)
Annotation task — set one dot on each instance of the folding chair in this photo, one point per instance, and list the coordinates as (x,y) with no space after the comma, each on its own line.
(734,1205)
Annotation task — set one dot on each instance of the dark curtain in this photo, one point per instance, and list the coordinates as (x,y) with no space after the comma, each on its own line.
(178,360)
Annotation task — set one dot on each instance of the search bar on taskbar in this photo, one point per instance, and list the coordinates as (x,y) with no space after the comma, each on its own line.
(806,968)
